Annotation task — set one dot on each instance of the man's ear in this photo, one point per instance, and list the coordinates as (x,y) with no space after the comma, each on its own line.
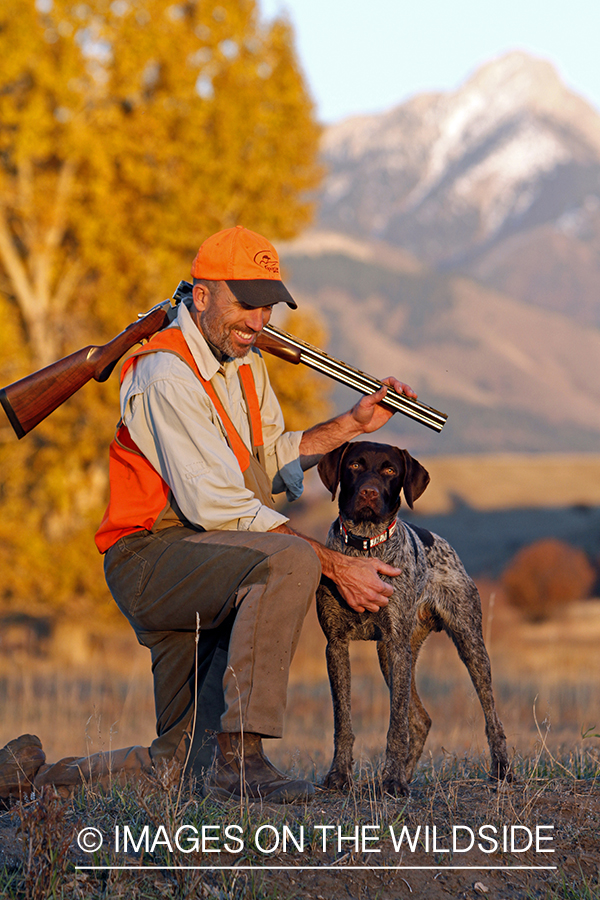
(200,295)
(416,478)
(330,467)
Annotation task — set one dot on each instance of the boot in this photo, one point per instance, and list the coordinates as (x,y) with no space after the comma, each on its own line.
(20,759)
(240,768)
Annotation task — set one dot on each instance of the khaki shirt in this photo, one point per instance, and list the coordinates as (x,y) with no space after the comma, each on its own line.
(173,422)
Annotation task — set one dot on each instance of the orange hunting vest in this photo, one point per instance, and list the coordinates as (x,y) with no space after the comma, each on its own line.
(139,497)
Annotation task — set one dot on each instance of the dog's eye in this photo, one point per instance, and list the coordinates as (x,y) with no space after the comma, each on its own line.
(354,465)
(388,470)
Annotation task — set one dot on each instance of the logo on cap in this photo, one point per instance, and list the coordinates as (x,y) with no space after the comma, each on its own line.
(266,260)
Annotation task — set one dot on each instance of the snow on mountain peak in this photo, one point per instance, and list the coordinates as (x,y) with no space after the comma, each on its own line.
(484,153)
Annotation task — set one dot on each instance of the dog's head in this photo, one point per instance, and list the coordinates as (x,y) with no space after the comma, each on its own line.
(371,477)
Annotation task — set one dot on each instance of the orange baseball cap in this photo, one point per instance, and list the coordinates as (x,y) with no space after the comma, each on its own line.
(248,263)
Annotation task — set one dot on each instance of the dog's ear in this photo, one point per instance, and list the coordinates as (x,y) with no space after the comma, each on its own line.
(416,478)
(330,467)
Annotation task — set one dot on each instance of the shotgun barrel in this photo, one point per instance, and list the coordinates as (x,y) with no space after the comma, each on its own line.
(354,378)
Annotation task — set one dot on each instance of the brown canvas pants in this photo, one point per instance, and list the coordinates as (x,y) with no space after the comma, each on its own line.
(249,592)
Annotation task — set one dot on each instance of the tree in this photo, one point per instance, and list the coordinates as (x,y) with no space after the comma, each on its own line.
(129,131)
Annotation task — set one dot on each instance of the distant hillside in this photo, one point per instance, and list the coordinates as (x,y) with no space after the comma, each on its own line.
(510,375)
(499,180)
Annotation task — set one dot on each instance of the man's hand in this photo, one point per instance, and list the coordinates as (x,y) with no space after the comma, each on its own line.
(368,413)
(357,577)
(358,581)
(366,416)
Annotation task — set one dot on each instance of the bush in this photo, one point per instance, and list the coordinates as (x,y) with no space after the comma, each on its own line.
(545,575)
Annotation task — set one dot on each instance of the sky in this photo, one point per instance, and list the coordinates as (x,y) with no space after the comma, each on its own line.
(370,55)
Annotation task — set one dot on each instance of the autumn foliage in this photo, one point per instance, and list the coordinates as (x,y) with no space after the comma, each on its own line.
(130,130)
(546,575)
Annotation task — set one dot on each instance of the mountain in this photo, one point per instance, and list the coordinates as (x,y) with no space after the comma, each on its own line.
(510,375)
(457,245)
(499,180)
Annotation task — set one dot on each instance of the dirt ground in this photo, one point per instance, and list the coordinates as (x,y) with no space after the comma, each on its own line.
(360,860)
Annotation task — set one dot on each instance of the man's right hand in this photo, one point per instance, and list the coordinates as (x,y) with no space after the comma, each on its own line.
(357,579)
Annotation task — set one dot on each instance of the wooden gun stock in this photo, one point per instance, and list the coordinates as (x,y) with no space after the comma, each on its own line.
(29,401)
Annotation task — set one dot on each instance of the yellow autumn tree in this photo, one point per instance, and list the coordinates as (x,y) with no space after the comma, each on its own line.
(129,131)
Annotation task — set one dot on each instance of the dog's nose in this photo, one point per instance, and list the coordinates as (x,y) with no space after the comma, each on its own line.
(369,494)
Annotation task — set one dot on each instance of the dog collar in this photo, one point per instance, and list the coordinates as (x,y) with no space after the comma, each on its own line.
(363,543)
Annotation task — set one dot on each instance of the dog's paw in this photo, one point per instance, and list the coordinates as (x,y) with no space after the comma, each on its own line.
(395,787)
(337,781)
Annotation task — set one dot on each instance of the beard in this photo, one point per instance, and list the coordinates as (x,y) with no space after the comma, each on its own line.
(219,335)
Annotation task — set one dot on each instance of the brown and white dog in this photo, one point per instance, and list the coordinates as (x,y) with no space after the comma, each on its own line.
(433,593)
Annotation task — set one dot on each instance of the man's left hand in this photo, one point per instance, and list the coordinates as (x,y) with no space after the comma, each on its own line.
(369,414)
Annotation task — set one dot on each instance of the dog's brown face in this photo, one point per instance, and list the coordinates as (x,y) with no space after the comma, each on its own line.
(371,477)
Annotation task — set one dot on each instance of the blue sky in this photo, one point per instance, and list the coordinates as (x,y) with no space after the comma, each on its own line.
(371,55)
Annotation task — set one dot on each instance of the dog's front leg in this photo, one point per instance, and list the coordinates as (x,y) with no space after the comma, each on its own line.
(399,658)
(339,776)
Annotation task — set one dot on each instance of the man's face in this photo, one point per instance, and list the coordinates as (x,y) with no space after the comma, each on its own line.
(228,324)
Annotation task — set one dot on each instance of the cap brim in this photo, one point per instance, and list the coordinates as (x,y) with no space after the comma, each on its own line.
(261,292)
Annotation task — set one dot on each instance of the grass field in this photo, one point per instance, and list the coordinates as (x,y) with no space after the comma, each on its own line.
(89,688)
(546,688)
(547,671)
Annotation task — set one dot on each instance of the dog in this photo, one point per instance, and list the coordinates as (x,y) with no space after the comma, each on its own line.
(433,593)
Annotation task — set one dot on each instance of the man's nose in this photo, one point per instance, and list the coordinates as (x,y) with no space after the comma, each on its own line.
(256,319)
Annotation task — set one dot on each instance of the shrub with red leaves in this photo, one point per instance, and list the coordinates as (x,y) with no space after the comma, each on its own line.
(545,575)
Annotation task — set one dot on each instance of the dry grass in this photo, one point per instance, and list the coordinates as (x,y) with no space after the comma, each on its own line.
(78,709)
(561,795)
(550,667)
(512,481)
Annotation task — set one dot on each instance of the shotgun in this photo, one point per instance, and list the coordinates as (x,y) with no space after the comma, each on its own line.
(30,400)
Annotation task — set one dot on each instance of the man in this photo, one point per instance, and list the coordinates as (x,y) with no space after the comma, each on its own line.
(212,578)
